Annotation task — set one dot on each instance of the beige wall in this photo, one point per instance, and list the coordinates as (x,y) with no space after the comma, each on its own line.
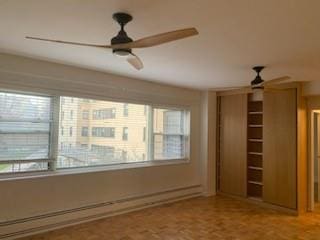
(208,142)
(28,197)
(311,88)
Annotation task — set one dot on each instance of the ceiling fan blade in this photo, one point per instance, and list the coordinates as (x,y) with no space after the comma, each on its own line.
(276,80)
(247,88)
(67,42)
(141,43)
(135,61)
(158,39)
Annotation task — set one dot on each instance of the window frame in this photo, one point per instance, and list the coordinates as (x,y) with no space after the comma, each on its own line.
(85,115)
(102,114)
(106,129)
(87,131)
(125,112)
(54,134)
(125,133)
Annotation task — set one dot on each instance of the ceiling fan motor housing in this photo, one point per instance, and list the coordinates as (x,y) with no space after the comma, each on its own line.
(257,83)
(122,37)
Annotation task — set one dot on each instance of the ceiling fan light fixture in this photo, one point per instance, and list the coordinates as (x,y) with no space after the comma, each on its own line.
(123,53)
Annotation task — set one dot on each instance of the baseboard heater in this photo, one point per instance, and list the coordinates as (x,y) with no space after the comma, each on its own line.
(46,222)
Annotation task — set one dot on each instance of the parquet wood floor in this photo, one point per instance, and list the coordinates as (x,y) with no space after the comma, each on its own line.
(200,218)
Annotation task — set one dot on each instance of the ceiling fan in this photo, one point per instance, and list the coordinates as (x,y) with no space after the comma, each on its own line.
(258,83)
(122,45)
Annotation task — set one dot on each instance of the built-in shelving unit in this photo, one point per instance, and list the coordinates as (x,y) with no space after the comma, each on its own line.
(254,147)
(251,128)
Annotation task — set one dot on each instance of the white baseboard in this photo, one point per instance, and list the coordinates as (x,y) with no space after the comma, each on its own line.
(47,222)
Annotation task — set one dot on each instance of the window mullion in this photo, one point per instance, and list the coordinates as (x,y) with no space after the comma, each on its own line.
(54,132)
(150,138)
(187,132)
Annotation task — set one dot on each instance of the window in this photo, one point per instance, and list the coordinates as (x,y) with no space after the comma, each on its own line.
(125,134)
(25,128)
(144,134)
(104,113)
(106,132)
(84,131)
(85,114)
(170,136)
(28,133)
(125,110)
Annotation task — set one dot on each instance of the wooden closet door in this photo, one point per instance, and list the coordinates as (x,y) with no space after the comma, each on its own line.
(233,144)
(280,148)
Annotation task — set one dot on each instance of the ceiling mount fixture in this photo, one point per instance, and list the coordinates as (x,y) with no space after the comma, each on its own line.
(122,44)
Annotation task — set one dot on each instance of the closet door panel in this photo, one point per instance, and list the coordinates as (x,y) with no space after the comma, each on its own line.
(280,148)
(233,144)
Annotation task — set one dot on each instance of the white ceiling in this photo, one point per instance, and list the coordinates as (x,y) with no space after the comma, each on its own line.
(234,36)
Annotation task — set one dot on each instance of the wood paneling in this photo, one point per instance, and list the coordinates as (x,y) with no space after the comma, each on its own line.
(302,152)
(233,148)
(279,148)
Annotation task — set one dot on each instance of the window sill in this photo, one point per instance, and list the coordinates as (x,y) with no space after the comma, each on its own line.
(91,169)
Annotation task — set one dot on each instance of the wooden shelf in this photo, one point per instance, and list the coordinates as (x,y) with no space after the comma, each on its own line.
(255,125)
(256,183)
(255,168)
(255,140)
(255,153)
(255,113)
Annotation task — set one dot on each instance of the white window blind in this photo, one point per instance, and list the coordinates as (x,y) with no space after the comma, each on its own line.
(170,134)
(25,123)
(59,132)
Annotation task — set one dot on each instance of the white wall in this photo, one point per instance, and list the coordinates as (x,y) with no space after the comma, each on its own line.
(29,197)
